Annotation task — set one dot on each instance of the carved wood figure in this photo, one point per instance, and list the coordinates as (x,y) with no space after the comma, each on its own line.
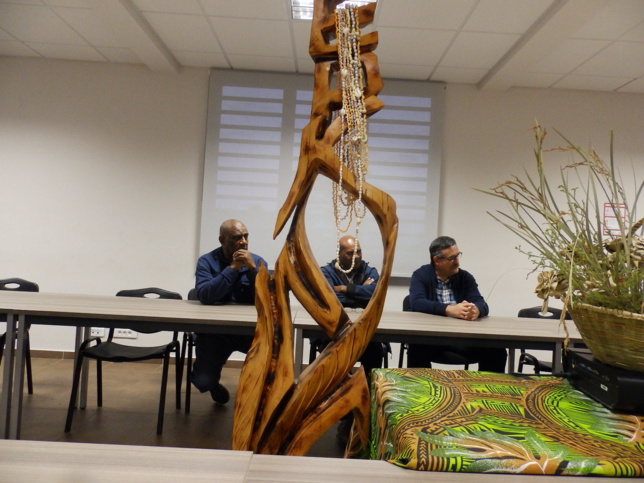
(274,413)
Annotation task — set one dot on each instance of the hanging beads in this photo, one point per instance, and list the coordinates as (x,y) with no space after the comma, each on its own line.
(351,148)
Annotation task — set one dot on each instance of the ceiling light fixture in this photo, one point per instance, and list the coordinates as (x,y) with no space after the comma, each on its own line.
(303,9)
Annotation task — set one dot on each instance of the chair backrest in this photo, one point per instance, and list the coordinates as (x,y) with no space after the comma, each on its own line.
(406,304)
(149,292)
(192,295)
(535,313)
(19,285)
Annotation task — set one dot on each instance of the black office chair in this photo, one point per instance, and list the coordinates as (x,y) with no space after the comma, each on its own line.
(529,359)
(20,285)
(186,351)
(317,345)
(114,352)
(445,357)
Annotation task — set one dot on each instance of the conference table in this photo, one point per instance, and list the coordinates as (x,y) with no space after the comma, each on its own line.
(491,331)
(25,308)
(22,309)
(97,463)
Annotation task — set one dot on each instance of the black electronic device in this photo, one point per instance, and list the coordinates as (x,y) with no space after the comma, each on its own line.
(617,389)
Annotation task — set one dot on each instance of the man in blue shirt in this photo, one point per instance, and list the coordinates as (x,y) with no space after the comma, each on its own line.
(442,288)
(354,289)
(225,275)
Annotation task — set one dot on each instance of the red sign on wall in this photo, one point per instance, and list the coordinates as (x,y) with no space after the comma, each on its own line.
(611,221)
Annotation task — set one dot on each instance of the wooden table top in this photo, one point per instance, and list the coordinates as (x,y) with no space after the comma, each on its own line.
(409,324)
(97,463)
(55,308)
(109,463)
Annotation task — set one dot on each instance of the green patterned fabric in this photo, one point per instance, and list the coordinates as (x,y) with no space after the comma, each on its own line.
(436,420)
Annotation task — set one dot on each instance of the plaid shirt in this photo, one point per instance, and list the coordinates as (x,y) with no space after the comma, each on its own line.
(444,292)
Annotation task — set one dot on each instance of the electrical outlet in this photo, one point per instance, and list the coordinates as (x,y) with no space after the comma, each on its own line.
(97,332)
(125,334)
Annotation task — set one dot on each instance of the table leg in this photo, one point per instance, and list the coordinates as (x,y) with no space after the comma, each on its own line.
(299,351)
(557,358)
(7,376)
(82,333)
(511,360)
(18,380)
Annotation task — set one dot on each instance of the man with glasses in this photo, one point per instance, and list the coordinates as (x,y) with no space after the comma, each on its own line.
(442,288)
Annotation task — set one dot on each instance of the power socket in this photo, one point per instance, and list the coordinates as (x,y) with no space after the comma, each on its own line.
(97,332)
(125,334)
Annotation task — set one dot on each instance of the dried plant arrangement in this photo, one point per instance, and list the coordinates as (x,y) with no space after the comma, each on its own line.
(580,230)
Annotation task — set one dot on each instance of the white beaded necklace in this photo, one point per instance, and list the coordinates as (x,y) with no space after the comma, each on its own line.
(351,149)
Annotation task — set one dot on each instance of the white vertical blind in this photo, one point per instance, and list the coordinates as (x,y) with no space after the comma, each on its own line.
(252,148)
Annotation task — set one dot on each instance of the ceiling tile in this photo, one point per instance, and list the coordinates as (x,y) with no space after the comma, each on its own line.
(69,3)
(636,34)
(537,79)
(15,48)
(90,26)
(301,37)
(70,52)
(401,71)
(169,6)
(25,2)
(201,59)
(254,37)
(591,83)
(263,62)
(36,24)
(478,50)
(505,16)
(636,86)
(458,75)
(428,14)
(569,56)
(6,35)
(401,46)
(617,18)
(119,55)
(621,59)
(261,9)
(184,32)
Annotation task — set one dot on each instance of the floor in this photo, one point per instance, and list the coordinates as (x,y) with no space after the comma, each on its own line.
(129,412)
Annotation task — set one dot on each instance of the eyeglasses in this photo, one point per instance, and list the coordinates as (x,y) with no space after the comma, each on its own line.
(453,257)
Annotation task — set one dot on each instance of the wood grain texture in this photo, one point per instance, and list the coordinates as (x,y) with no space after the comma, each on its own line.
(288,416)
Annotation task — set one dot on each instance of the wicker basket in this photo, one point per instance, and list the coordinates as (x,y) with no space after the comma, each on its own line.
(614,337)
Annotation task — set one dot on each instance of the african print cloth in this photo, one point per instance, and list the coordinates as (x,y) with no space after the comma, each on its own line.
(483,422)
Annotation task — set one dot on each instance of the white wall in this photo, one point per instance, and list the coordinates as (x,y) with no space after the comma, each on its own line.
(101,178)
(101,170)
(488,138)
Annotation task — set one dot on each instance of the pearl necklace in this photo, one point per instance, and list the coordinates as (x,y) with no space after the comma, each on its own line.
(351,149)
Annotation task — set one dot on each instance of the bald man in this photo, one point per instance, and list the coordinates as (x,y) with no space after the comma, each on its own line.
(225,275)
(354,289)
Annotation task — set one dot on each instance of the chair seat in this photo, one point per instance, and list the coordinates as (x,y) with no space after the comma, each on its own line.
(114,352)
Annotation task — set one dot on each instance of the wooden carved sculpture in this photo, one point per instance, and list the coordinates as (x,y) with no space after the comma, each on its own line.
(274,413)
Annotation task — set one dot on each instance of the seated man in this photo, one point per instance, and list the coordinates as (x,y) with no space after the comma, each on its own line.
(442,288)
(225,275)
(354,290)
